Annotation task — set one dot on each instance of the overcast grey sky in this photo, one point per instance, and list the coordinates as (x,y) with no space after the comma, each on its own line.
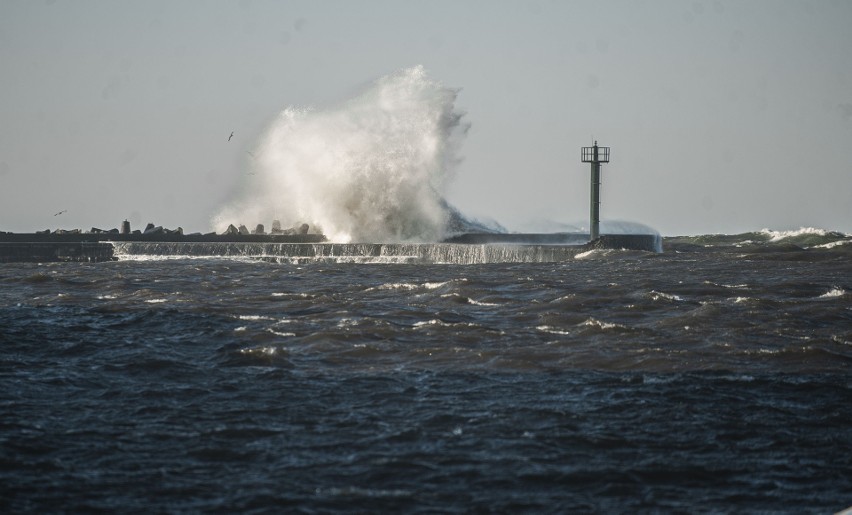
(722,116)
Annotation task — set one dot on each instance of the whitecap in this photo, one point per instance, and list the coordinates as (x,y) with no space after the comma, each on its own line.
(348,322)
(657,295)
(441,323)
(266,351)
(552,330)
(254,317)
(395,286)
(780,235)
(592,322)
(432,286)
(434,321)
(412,286)
(833,293)
(832,244)
(467,300)
(570,296)
(277,333)
(479,303)
(587,254)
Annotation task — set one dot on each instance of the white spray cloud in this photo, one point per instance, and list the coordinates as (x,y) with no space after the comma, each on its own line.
(373,169)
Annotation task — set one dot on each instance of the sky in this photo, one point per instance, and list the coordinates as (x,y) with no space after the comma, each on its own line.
(721,116)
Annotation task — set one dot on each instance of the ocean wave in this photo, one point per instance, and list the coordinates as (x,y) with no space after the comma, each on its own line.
(440,323)
(833,293)
(832,244)
(461,299)
(263,351)
(375,168)
(254,317)
(740,300)
(804,237)
(593,322)
(783,235)
(552,330)
(412,286)
(658,295)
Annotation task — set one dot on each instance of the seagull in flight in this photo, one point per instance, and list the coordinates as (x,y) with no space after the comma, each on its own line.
(231,136)
(59,213)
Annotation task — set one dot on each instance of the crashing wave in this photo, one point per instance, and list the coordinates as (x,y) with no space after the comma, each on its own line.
(372,169)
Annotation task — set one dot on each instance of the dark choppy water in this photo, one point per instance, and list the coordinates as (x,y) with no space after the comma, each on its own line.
(704,379)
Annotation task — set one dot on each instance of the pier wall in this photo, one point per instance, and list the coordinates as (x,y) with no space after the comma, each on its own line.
(466,248)
(48,252)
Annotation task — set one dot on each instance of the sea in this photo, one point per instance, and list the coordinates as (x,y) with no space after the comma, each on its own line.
(713,377)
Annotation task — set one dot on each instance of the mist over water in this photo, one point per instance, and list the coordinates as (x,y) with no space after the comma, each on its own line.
(372,169)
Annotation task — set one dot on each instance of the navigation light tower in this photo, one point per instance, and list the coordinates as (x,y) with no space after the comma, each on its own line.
(595,155)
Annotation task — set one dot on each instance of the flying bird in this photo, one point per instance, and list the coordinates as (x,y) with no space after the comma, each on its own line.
(231,136)
(59,213)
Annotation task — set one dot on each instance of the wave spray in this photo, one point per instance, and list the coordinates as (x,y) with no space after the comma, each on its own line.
(373,169)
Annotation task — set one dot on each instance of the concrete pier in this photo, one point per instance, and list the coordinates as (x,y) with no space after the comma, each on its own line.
(95,247)
(50,252)
(483,247)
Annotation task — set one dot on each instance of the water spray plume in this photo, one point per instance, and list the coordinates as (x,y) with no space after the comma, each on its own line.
(373,169)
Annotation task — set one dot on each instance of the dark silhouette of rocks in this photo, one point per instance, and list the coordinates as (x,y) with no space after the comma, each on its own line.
(151,230)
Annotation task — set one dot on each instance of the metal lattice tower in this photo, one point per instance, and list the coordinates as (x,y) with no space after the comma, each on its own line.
(595,155)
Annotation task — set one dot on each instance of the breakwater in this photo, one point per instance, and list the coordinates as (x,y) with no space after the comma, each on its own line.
(464,249)
(95,247)
(646,242)
(56,251)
